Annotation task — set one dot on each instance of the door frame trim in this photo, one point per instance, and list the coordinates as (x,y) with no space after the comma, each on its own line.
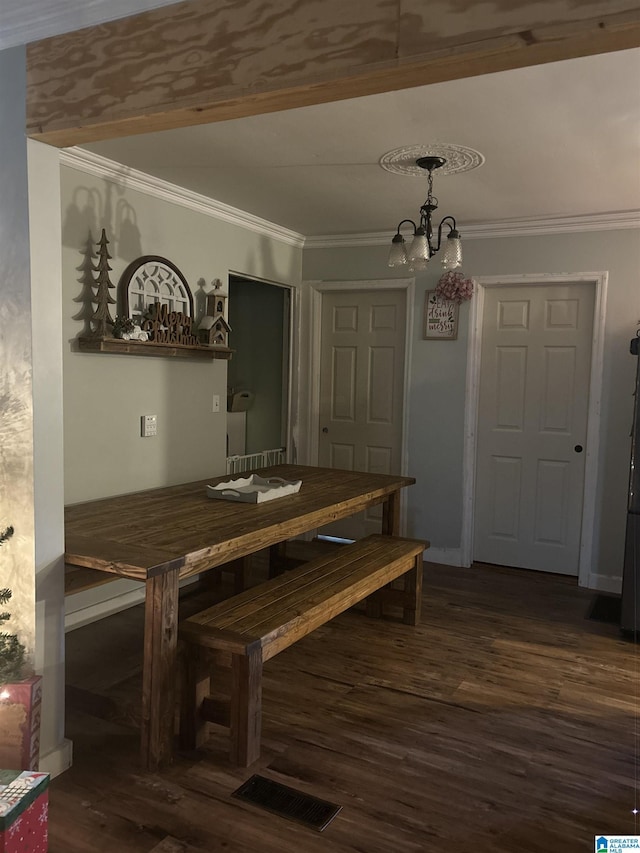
(316,290)
(472,397)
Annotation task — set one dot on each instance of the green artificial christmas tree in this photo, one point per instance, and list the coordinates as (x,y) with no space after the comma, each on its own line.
(11,649)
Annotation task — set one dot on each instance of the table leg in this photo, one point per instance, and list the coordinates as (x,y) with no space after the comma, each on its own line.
(159,669)
(391,515)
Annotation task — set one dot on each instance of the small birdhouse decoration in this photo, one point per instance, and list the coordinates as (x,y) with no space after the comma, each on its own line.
(213,330)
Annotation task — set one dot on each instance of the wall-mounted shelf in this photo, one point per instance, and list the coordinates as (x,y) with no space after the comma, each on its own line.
(150,348)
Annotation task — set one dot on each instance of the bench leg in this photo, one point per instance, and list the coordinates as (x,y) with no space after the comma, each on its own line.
(241,573)
(373,607)
(277,557)
(246,706)
(239,568)
(195,687)
(413,592)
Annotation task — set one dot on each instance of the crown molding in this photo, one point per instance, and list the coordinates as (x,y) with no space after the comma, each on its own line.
(102,167)
(24,21)
(532,227)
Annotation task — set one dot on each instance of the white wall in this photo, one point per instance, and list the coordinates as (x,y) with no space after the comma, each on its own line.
(439,368)
(46,289)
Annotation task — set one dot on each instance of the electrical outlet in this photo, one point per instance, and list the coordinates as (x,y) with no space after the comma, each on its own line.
(216,403)
(148,425)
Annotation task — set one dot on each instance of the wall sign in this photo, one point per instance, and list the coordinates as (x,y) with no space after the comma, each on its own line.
(152,280)
(440,318)
(169,327)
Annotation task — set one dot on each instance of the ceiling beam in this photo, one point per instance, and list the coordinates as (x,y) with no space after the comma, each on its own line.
(204,60)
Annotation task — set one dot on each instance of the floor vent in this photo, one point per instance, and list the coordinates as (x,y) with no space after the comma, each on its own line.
(287,802)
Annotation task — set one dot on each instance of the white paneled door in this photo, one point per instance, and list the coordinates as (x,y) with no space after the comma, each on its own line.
(361,390)
(532,425)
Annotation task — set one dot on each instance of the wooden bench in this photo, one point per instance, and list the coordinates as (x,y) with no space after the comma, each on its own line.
(259,623)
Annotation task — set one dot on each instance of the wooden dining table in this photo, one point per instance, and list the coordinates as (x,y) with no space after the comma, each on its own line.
(165,535)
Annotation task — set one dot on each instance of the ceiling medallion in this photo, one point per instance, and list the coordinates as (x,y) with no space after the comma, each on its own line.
(458,158)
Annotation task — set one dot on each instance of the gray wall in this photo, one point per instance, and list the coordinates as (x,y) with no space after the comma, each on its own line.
(438,373)
(105,395)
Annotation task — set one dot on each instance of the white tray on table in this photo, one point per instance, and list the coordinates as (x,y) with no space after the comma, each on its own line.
(254,489)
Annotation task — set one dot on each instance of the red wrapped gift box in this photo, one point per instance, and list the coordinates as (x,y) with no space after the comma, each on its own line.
(24,809)
(20,711)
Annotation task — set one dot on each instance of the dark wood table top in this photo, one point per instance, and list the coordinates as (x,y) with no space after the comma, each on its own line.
(147,533)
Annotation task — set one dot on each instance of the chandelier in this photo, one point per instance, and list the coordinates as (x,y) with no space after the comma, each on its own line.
(424,245)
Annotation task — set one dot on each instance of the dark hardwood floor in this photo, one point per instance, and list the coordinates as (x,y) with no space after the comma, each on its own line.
(507,721)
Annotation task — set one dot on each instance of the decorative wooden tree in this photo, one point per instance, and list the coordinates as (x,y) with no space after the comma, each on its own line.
(11,649)
(85,297)
(101,317)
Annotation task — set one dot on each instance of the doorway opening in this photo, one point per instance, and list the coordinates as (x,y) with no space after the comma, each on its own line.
(259,374)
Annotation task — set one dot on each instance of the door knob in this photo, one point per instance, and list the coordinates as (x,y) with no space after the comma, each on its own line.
(325,429)
(578,448)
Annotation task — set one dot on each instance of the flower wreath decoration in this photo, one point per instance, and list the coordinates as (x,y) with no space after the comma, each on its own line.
(454,286)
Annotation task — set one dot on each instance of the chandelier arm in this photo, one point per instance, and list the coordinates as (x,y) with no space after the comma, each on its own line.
(400,224)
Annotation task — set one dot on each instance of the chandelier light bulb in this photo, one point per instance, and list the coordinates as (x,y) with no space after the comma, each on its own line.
(452,254)
(398,252)
(419,250)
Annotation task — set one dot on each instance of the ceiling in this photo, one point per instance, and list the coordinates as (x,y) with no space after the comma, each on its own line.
(23,21)
(559,140)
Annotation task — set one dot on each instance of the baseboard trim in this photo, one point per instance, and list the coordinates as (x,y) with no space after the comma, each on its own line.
(102,609)
(604,583)
(453,557)
(58,759)
(444,556)
(109,606)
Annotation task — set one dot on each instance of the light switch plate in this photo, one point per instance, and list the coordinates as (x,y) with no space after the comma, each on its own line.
(149,425)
